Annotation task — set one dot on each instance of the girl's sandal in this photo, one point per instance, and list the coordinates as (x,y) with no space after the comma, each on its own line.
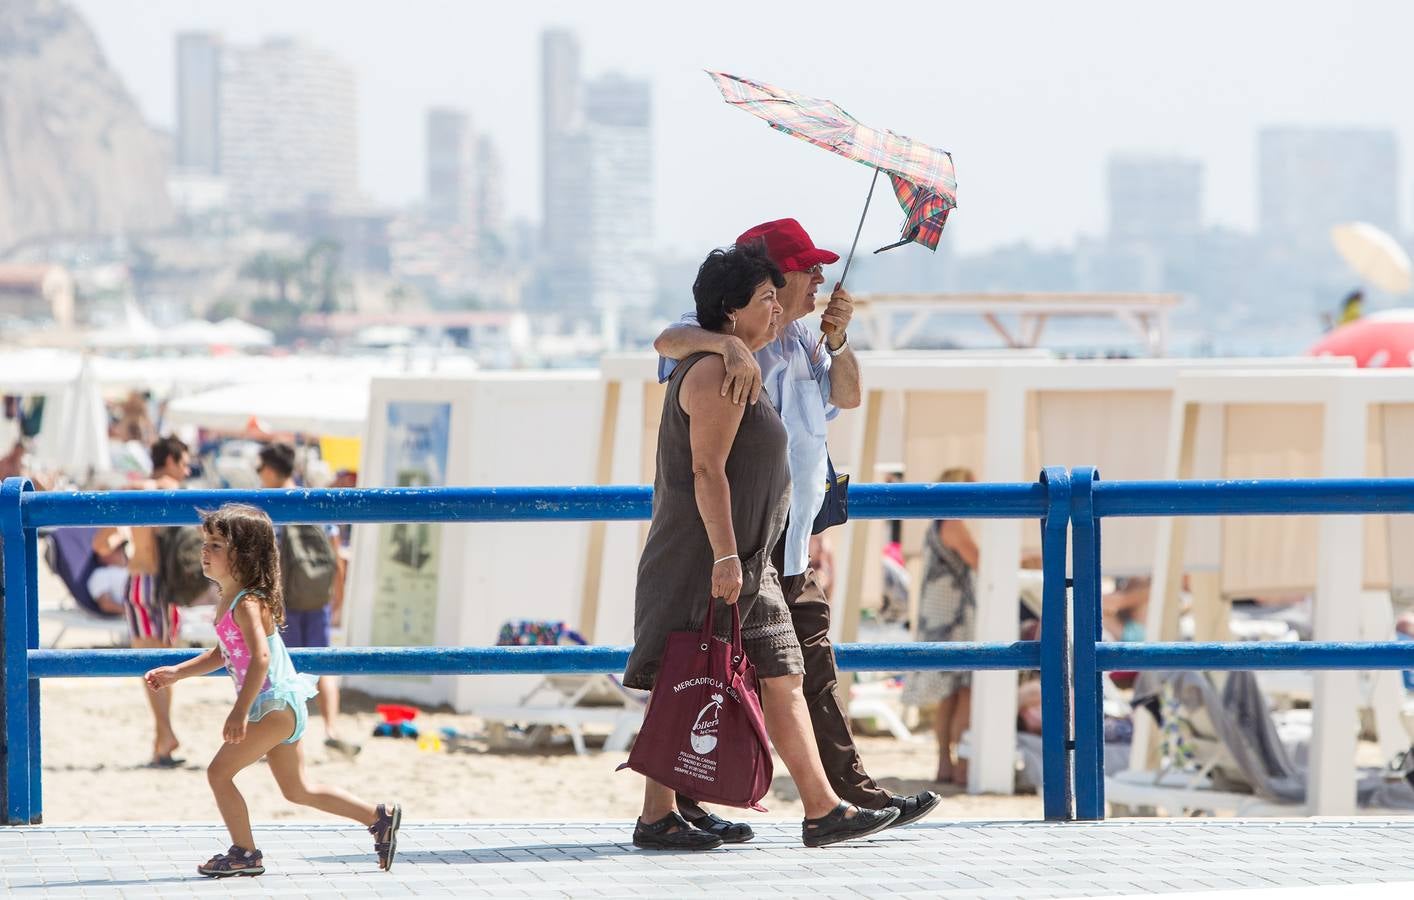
(234,862)
(385,834)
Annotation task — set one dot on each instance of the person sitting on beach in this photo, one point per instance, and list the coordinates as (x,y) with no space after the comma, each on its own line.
(108,583)
(13,465)
(239,554)
(1124,610)
(720,500)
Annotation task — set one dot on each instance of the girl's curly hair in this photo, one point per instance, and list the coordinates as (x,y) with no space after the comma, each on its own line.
(255,559)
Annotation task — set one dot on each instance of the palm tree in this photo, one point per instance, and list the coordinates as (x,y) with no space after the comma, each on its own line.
(277,270)
(319,274)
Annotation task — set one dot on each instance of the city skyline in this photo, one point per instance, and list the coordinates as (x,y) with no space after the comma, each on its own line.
(1031,113)
(596,146)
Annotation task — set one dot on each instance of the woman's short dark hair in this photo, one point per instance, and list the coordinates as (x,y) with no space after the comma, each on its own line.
(727,278)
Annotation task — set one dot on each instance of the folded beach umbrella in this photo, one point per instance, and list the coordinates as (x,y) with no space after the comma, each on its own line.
(1374,255)
(922,176)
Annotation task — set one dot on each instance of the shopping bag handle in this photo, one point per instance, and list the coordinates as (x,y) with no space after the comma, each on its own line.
(738,655)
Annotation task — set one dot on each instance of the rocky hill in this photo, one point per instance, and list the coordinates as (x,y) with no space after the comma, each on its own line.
(76,157)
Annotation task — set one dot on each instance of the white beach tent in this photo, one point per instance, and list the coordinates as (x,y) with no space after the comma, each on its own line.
(323,406)
(1003,417)
(136,330)
(311,394)
(239,333)
(74,432)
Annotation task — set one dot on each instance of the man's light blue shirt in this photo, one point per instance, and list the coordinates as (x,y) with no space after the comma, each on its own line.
(796,379)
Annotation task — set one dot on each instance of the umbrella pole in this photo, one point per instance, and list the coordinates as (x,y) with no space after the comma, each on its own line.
(850,258)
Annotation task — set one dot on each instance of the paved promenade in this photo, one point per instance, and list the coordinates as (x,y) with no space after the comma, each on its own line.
(533,860)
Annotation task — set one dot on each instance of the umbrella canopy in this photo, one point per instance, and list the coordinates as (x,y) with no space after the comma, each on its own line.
(1379,340)
(1374,255)
(923,178)
(78,441)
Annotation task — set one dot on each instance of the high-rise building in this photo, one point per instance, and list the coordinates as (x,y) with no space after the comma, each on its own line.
(561,117)
(1154,198)
(289,129)
(597,227)
(564,187)
(451,169)
(490,189)
(1313,178)
(618,114)
(198,148)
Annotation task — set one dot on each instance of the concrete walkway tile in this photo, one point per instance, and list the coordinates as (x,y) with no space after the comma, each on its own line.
(535,860)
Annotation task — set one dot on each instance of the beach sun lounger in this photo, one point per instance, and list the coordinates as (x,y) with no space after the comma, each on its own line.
(568,702)
(69,553)
(1223,753)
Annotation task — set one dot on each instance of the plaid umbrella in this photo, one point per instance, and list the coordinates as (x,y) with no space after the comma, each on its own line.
(922,176)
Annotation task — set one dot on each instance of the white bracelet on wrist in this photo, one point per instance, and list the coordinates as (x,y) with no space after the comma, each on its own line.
(836,351)
(725,558)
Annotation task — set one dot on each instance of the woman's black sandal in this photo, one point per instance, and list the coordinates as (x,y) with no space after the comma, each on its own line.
(729,832)
(838,825)
(234,862)
(672,832)
(385,834)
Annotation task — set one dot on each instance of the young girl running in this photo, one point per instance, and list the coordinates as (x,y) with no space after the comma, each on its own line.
(240,555)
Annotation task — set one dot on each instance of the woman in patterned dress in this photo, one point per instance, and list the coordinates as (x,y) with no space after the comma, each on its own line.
(947,611)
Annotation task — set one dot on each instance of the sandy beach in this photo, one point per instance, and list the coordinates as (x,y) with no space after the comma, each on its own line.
(97,735)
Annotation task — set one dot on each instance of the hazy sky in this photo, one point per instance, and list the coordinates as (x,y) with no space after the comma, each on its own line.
(1029,97)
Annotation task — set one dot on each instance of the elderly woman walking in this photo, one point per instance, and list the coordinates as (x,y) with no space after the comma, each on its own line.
(720,500)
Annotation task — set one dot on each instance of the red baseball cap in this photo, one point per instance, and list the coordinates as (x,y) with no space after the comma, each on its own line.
(788,245)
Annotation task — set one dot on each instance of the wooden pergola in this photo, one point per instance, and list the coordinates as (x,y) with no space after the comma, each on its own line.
(1020,319)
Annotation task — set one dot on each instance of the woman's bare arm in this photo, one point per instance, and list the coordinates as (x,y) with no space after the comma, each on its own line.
(712,426)
(741,379)
(957,538)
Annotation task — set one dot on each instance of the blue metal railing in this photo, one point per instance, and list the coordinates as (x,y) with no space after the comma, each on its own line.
(1071,664)
(23,512)
(1093,500)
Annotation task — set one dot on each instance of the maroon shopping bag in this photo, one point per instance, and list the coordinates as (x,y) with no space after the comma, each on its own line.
(704,735)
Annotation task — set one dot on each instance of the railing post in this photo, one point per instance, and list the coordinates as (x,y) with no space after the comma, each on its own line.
(1058,791)
(36,762)
(1085,606)
(16,777)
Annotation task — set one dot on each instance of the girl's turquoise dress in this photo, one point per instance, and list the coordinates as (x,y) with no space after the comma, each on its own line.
(284,687)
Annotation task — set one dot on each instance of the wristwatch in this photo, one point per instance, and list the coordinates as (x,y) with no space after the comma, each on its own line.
(840,349)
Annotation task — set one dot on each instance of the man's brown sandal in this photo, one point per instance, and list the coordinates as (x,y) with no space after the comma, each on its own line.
(838,825)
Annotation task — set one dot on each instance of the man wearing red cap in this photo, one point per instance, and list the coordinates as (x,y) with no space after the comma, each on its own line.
(808,385)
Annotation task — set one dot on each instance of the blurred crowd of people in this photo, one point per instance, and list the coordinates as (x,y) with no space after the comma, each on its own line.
(152,577)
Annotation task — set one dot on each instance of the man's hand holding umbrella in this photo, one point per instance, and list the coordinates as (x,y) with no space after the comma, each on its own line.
(834,321)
